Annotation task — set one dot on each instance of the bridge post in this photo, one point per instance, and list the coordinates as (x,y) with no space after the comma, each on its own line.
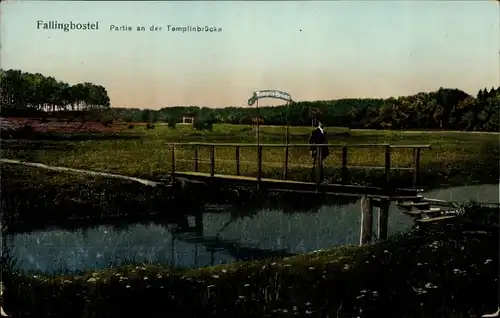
(387,166)
(237,160)
(344,165)
(212,161)
(285,168)
(383,218)
(259,163)
(196,158)
(318,167)
(365,236)
(416,166)
(173,164)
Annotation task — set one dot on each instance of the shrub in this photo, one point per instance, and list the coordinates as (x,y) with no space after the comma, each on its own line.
(150,126)
(107,122)
(172,122)
(206,124)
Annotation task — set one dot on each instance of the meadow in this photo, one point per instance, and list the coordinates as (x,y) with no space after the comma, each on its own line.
(454,158)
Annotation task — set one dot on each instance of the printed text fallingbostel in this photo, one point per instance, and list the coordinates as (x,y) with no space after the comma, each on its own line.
(67,26)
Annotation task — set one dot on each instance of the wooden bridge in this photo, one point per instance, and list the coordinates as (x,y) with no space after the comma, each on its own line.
(187,168)
(283,183)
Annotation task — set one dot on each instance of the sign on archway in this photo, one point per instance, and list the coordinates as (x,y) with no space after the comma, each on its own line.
(269,93)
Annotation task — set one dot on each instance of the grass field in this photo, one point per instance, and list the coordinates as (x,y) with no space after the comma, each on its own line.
(455,157)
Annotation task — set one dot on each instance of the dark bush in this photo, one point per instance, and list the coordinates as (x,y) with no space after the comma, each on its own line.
(206,124)
(172,122)
(107,122)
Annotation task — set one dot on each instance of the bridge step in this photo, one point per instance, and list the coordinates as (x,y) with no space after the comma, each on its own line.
(411,204)
(427,211)
(438,202)
(436,219)
(432,210)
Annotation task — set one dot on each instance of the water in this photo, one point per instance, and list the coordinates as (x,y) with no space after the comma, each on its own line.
(216,237)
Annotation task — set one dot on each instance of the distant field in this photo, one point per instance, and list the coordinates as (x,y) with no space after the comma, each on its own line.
(454,156)
(58,126)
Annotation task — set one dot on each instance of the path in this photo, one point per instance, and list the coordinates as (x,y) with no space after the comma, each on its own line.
(93,173)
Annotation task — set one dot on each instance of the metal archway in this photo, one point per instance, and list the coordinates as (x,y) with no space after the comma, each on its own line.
(271,93)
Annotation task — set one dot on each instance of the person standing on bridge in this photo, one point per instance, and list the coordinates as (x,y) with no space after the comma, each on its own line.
(318,136)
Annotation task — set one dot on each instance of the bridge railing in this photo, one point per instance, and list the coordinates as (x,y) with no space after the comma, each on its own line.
(283,160)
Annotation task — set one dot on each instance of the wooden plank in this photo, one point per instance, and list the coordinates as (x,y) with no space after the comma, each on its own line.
(314,192)
(297,185)
(339,194)
(437,202)
(229,177)
(299,145)
(414,198)
(412,146)
(410,205)
(420,212)
(278,164)
(432,210)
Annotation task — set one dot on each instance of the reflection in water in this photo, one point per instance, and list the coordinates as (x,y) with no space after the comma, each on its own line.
(216,236)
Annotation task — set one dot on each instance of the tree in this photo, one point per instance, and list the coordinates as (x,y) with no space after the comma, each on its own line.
(22,90)
(146,115)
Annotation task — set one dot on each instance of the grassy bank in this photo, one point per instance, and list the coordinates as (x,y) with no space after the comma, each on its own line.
(34,196)
(419,275)
(455,157)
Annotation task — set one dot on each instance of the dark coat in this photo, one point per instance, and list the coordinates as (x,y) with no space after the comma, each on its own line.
(318,137)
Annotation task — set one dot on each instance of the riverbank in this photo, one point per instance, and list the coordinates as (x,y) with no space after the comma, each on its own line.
(454,159)
(61,196)
(421,274)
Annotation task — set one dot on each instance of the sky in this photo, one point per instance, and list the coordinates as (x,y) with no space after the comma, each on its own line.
(314,50)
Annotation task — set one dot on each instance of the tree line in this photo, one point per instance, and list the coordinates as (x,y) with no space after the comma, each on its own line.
(445,108)
(27,91)
(448,109)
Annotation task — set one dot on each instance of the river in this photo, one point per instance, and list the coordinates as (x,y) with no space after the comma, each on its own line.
(214,237)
